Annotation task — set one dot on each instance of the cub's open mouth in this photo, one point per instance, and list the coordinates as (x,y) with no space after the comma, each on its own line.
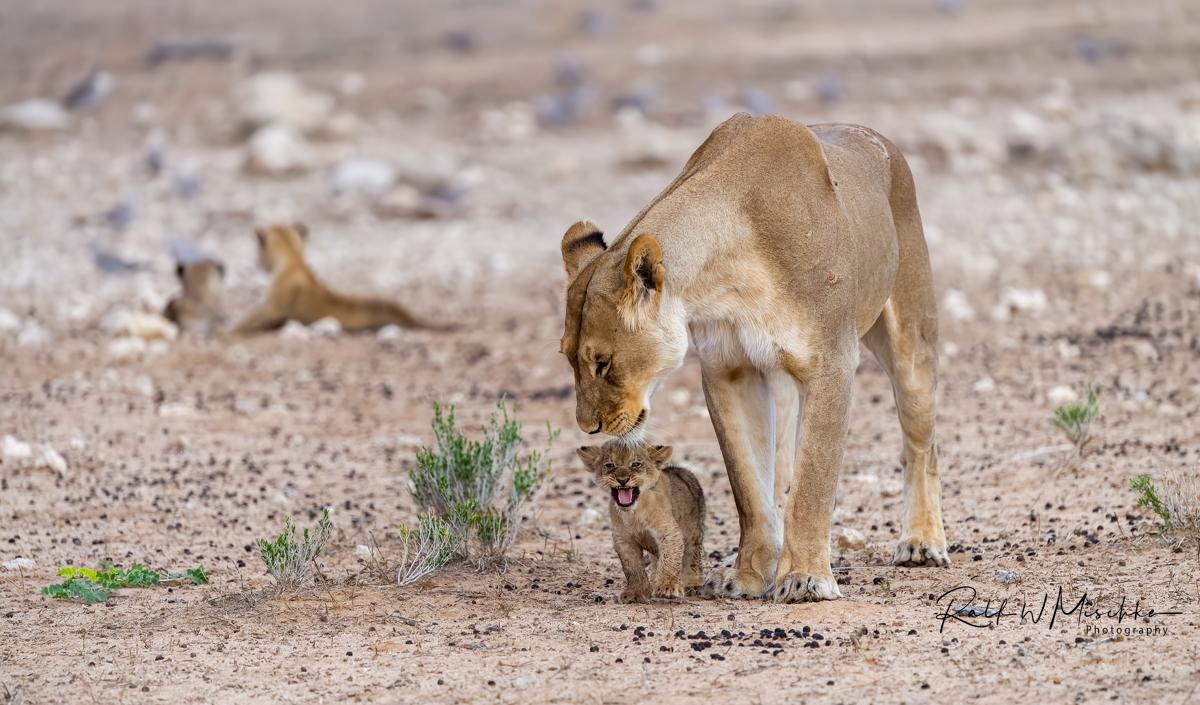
(625,496)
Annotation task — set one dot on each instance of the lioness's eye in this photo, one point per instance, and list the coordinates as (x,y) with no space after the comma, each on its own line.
(610,466)
(600,365)
(636,465)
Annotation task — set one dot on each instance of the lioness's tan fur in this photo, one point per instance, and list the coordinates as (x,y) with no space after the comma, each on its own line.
(296,294)
(200,309)
(776,250)
(666,519)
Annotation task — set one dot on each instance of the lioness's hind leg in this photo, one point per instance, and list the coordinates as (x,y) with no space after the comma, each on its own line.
(904,345)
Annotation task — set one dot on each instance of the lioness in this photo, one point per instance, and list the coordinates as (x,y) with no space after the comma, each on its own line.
(778,248)
(296,294)
(200,309)
(655,507)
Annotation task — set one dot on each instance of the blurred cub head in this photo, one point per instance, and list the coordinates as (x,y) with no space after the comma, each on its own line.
(625,471)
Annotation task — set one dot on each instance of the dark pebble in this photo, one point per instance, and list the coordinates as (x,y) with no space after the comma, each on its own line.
(977,557)
(715,657)
(594,648)
(620,661)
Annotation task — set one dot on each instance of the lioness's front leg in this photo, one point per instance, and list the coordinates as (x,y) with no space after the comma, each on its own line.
(804,572)
(739,402)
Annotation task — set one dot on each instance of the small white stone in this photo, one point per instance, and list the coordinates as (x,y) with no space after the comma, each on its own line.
(1005,577)
(891,488)
(294,330)
(328,327)
(389,332)
(589,517)
(1061,395)
(369,176)
(19,564)
(33,335)
(851,539)
(984,385)
(956,305)
(278,150)
(121,348)
(50,459)
(16,449)
(36,114)
(362,551)
(176,410)
(9,321)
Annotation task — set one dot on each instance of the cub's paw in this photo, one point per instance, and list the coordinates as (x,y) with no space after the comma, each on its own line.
(915,551)
(731,583)
(804,587)
(633,595)
(668,591)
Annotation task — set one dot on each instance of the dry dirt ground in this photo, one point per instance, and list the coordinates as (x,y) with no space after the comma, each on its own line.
(1059,258)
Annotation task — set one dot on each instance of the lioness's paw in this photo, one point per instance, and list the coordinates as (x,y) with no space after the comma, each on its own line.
(803,587)
(914,551)
(669,591)
(731,582)
(631,595)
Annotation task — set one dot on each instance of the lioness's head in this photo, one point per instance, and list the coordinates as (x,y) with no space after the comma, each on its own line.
(623,333)
(279,244)
(625,470)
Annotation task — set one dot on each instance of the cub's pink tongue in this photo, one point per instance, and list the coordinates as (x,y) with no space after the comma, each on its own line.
(624,496)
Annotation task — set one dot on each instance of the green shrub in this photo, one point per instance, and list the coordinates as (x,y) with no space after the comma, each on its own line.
(462,481)
(96,585)
(1177,502)
(427,549)
(1076,421)
(290,562)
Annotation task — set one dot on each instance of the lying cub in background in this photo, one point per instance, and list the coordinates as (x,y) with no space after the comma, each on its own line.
(655,507)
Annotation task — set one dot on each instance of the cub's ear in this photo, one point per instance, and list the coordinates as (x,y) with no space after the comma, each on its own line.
(301,230)
(590,455)
(644,276)
(661,455)
(582,243)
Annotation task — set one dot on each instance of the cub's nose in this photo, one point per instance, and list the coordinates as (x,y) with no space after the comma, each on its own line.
(622,480)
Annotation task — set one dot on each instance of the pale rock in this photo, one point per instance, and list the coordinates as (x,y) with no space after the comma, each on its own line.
(956,305)
(16,449)
(247,406)
(143,385)
(1066,351)
(589,517)
(650,144)
(1093,281)
(158,347)
(328,327)
(428,170)
(851,539)
(514,122)
(1024,300)
(362,551)
(949,349)
(50,460)
(281,98)
(9,321)
(176,410)
(406,441)
(35,115)
(1171,411)
(351,84)
(125,347)
(342,125)
(889,488)
(529,681)
(402,201)
(1061,395)
(19,564)
(140,324)
(278,150)
(1005,577)
(33,335)
(389,332)
(1059,103)
(984,385)
(369,176)
(294,330)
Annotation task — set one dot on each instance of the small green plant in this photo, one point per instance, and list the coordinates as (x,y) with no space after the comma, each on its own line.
(290,561)
(96,585)
(427,549)
(1076,421)
(1177,502)
(462,482)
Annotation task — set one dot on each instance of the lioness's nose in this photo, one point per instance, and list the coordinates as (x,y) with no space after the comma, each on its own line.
(595,430)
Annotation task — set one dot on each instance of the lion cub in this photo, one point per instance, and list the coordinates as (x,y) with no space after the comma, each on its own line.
(200,309)
(655,507)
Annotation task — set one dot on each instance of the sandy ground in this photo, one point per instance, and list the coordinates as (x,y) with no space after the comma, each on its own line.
(1058,262)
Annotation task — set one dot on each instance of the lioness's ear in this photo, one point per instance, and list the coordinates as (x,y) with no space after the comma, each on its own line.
(661,455)
(582,243)
(588,454)
(301,230)
(644,275)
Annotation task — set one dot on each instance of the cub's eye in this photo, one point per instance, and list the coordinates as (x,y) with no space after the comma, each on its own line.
(635,465)
(610,466)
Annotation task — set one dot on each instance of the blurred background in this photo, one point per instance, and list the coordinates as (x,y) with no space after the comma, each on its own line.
(438,150)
